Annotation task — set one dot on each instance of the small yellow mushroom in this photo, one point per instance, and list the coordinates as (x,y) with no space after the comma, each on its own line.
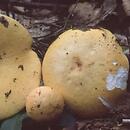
(44,103)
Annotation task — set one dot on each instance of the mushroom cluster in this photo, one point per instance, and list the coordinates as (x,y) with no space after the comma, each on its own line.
(88,68)
(20,68)
(84,69)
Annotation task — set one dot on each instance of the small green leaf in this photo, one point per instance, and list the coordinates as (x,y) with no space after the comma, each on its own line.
(13,123)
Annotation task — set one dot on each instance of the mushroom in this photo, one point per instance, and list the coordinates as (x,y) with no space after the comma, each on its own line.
(44,103)
(85,66)
(20,68)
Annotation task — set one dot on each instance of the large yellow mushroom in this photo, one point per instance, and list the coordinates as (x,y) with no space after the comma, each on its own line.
(88,68)
(19,66)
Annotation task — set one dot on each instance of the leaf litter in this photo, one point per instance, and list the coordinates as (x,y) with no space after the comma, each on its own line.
(47,23)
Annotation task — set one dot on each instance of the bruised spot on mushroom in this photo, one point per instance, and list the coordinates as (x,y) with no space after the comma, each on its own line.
(4,53)
(26,49)
(58,106)
(77,61)
(21,67)
(0,57)
(38,106)
(41,113)
(92,63)
(39,93)
(32,108)
(113,37)
(15,25)
(4,21)
(104,35)
(14,80)
(81,83)
(119,53)
(35,72)
(7,94)
(16,58)
(67,53)
(110,70)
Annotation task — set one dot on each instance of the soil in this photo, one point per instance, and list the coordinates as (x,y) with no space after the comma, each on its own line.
(51,19)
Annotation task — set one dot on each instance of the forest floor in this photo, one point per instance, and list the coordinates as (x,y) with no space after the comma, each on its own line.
(50,20)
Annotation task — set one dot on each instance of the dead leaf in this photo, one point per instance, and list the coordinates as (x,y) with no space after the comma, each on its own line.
(89,13)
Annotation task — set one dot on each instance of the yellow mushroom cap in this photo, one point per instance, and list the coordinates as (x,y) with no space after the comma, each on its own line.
(14,37)
(20,68)
(44,103)
(86,67)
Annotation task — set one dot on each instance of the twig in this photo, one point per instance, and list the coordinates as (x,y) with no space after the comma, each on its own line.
(126,121)
(125,45)
(49,24)
(70,14)
(108,104)
(52,34)
(36,5)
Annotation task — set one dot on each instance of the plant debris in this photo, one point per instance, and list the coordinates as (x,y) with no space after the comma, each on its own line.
(48,19)
(91,13)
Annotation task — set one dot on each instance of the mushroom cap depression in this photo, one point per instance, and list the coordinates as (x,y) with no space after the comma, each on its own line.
(88,68)
(20,68)
(44,103)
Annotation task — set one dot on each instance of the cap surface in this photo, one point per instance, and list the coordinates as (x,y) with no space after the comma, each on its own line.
(85,66)
(44,103)
(20,67)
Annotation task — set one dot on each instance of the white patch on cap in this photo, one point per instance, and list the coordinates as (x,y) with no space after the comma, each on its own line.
(118,80)
(114,63)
